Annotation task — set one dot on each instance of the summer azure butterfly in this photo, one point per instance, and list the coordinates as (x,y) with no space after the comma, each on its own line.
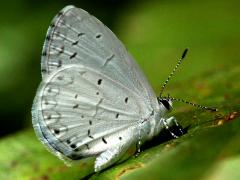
(93,100)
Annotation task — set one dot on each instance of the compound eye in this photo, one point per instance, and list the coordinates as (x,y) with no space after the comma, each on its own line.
(165,103)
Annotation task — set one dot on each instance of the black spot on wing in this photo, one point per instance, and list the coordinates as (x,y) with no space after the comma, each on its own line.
(56,131)
(61,50)
(48,38)
(44,53)
(60,78)
(73,55)
(60,13)
(80,34)
(75,43)
(99,81)
(75,106)
(104,140)
(46,102)
(98,36)
(43,70)
(59,64)
(76,149)
(49,90)
(89,134)
(52,25)
(73,146)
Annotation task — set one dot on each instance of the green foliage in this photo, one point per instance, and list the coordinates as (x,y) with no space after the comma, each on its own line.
(156,33)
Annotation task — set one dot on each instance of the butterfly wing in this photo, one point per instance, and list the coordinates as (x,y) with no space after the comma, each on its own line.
(76,37)
(76,106)
(91,87)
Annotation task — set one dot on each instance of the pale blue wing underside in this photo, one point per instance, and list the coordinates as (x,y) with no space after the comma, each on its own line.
(76,106)
(76,37)
(91,87)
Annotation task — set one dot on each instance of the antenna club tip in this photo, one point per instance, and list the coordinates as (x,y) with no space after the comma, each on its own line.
(184,53)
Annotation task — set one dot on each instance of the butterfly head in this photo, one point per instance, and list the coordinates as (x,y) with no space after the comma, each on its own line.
(165,104)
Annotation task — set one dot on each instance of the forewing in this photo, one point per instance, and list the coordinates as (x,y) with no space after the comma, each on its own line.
(76,106)
(76,37)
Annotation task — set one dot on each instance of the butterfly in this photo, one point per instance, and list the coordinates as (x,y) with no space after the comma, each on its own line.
(94,100)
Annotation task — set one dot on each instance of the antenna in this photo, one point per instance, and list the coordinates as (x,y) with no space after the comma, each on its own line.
(177,99)
(193,104)
(175,68)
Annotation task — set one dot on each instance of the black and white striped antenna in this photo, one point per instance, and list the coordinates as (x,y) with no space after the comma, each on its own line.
(174,70)
(177,99)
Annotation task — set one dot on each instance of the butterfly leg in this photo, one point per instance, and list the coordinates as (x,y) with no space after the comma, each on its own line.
(170,122)
(110,156)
